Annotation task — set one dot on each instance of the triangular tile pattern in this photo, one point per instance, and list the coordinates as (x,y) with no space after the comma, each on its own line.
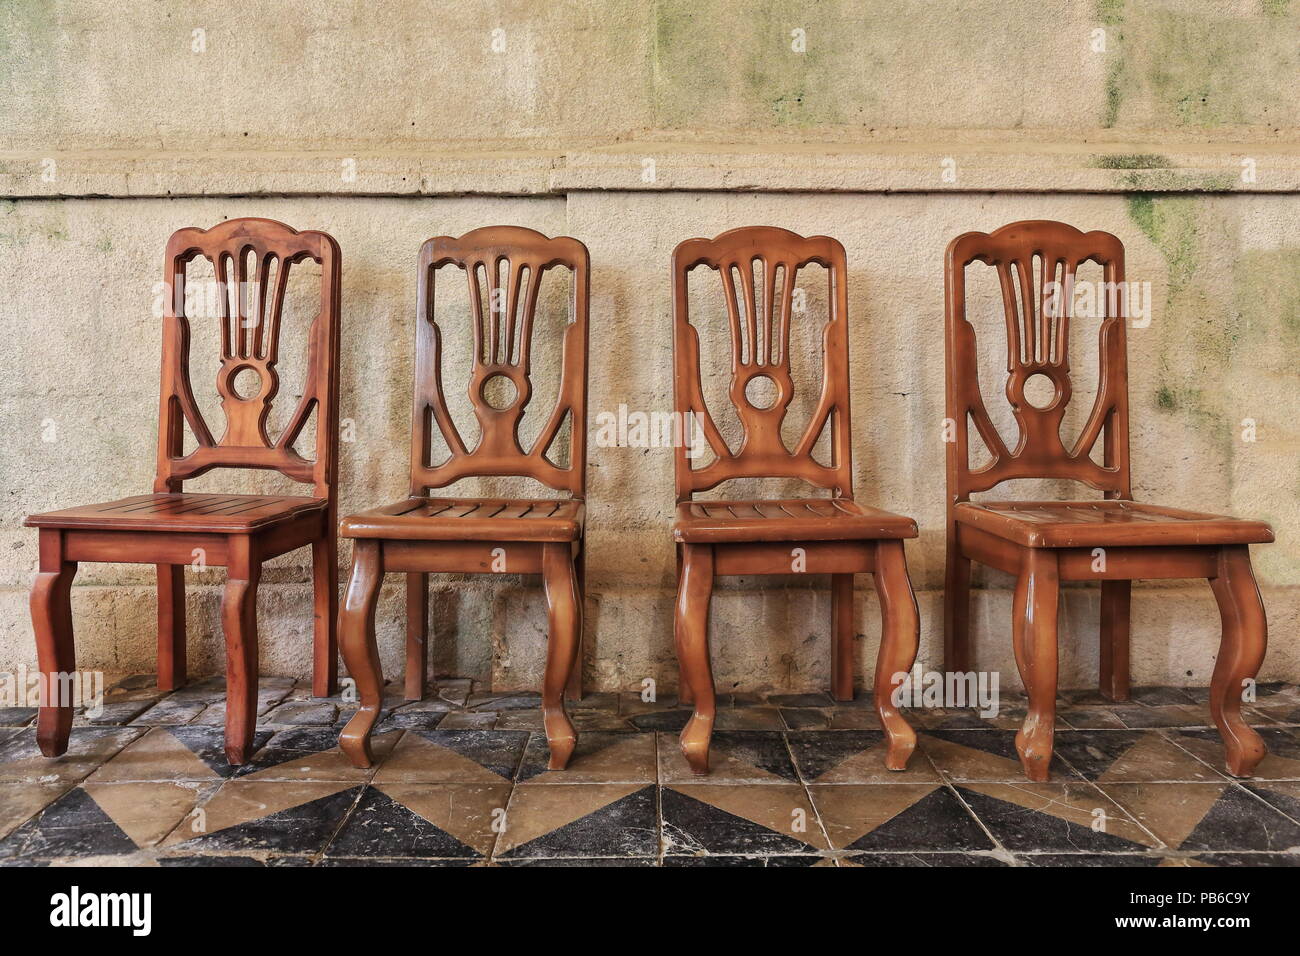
(73,826)
(1234,821)
(249,815)
(147,812)
(898,817)
(452,793)
(850,756)
(1060,817)
(616,820)
(455,756)
(382,827)
(735,756)
(600,757)
(704,819)
(981,755)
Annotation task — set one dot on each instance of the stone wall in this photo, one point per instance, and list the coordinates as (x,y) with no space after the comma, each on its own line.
(631,126)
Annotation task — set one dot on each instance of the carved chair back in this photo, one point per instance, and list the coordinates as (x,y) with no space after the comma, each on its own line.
(1037,264)
(760,349)
(502,337)
(251,260)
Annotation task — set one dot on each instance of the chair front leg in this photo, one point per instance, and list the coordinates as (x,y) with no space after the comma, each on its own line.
(684,696)
(171,626)
(900,636)
(1033,631)
(360,652)
(692,633)
(564,612)
(325,590)
(1241,652)
(842,636)
(51,607)
(239,622)
(1114,676)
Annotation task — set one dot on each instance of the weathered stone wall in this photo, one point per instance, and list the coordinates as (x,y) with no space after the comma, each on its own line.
(633,126)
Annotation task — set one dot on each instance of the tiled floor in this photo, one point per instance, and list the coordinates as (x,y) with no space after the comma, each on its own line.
(461,779)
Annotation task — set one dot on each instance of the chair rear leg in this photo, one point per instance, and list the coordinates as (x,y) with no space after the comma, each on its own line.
(51,607)
(956,610)
(842,636)
(171,626)
(1245,639)
(325,591)
(573,690)
(239,622)
(1114,670)
(417,633)
(692,633)
(564,612)
(1033,631)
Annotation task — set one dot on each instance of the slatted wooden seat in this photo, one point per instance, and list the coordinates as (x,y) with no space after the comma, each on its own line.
(170,527)
(786,519)
(471,519)
(420,534)
(1111,541)
(182,512)
(1088,524)
(831,535)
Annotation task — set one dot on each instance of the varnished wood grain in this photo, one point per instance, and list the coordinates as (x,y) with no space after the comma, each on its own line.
(832,534)
(169,527)
(423,534)
(1111,541)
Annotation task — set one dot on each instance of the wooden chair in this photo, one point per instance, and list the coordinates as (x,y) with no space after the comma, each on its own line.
(837,535)
(169,527)
(478,535)
(1042,543)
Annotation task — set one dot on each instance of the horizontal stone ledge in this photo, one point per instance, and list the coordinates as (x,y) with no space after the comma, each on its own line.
(1013,166)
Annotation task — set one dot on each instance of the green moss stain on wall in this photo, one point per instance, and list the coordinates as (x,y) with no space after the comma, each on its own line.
(1132,161)
(29,39)
(1111,15)
(1193,313)
(1267,306)
(1268,300)
(736,67)
(1110,12)
(1174,68)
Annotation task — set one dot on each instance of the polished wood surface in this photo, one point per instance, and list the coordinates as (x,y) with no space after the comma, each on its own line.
(472,519)
(422,534)
(833,534)
(1113,540)
(182,512)
(1087,524)
(786,519)
(169,527)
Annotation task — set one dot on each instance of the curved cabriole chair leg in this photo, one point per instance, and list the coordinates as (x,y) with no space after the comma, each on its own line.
(693,595)
(1245,638)
(564,612)
(899,640)
(360,653)
(1033,633)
